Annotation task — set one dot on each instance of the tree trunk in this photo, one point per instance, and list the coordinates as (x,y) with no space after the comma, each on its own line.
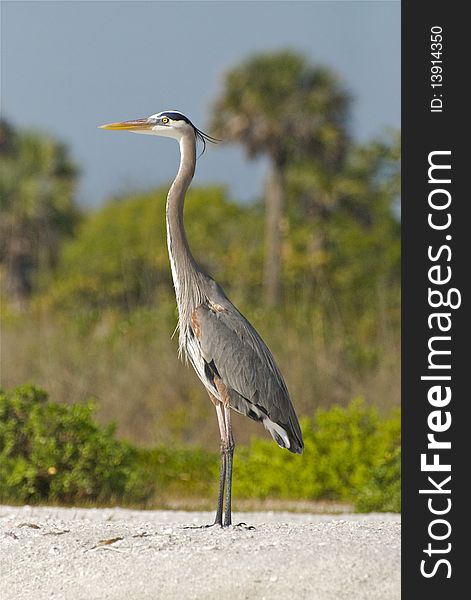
(18,267)
(274,207)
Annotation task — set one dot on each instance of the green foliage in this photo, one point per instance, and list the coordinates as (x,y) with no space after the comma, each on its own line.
(382,490)
(119,257)
(56,452)
(343,248)
(37,210)
(37,178)
(276,103)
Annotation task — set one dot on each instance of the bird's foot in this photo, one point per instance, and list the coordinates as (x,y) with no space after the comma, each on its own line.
(215,524)
(245,526)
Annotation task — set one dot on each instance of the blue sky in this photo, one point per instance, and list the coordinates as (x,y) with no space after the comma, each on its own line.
(70,66)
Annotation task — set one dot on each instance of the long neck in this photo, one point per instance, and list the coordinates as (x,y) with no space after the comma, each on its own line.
(185,271)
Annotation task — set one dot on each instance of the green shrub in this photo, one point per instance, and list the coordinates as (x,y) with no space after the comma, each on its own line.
(58,453)
(382,491)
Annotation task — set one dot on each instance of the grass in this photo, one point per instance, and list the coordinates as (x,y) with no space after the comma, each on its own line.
(129,364)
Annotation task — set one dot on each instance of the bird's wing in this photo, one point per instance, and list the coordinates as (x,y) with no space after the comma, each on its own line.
(234,352)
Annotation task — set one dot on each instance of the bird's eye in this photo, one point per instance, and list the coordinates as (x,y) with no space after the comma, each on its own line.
(165,120)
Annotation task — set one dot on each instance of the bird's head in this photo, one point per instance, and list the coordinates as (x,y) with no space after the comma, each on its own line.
(168,123)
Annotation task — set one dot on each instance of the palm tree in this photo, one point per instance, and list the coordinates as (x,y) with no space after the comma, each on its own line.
(363,191)
(278,105)
(37,183)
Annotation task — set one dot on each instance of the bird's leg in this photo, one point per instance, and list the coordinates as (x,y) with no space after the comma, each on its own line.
(222,477)
(223,413)
(222,472)
(227,447)
(229,452)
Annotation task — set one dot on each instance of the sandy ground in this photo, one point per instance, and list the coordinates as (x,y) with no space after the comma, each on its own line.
(117,554)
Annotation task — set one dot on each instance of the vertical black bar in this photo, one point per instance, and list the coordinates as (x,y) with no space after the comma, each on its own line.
(424,132)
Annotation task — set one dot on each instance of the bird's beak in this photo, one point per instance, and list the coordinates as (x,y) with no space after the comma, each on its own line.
(136,125)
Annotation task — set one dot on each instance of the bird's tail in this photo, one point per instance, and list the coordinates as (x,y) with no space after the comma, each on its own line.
(286,436)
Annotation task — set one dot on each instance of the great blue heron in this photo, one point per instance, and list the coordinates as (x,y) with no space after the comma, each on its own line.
(234,364)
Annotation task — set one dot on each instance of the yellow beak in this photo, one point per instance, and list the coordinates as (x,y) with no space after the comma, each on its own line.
(135,125)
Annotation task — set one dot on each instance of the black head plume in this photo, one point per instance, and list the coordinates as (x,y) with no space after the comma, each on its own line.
(204,138)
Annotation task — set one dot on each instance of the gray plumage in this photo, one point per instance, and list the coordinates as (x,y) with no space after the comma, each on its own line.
(234,351)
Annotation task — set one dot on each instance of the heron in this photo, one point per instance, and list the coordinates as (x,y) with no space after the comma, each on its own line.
(228,355)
